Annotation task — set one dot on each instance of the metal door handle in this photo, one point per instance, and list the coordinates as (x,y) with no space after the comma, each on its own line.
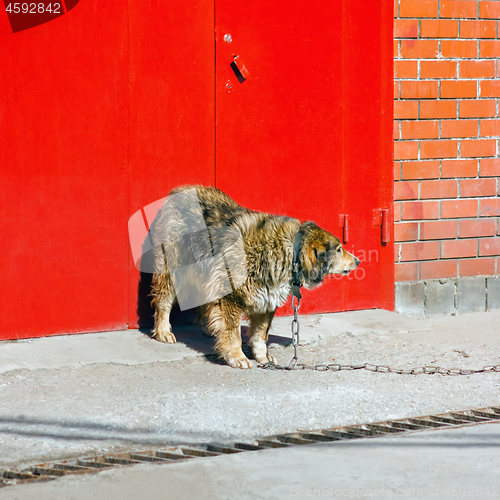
(239,68)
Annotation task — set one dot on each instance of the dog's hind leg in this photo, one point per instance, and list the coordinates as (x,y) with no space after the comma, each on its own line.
(163,299)
(258,332)
(202,320)
(223,321)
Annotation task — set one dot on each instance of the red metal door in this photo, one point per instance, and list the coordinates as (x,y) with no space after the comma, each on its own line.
(308,132)
(63,157)
(172,123)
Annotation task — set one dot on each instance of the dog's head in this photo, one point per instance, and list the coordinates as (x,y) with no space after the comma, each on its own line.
(321,254)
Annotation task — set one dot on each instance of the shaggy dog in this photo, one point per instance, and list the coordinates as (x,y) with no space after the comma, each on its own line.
(258,252)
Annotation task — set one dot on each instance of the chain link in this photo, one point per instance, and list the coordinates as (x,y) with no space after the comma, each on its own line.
(295,333)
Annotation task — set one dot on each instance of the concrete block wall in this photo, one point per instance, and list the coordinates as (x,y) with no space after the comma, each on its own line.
(426,299)
(446,148)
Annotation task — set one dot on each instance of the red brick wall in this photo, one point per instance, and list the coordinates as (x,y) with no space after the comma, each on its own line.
(446,131)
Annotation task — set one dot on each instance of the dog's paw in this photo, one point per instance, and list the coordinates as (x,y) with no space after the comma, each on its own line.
(163,336)
(240,362)
(266,359)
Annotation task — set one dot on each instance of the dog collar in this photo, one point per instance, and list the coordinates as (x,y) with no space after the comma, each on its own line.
(296,267)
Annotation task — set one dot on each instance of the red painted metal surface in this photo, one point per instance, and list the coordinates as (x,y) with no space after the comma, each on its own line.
(108,107)
(309,132)
(63,157)
(172,123)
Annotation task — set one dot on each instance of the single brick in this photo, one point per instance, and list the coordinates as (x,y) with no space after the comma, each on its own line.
(460,88)
(457,209)
(490,167)
(489,207)
(438,149)
(395,131)
(436,269)
(458,128)
(420,210)
(405,28)
(421,250)
(420,130)
(478,109)
(419,90)
(396,48)
(440,298)
(489,246)
(407,109)
(397,170)
(493,291)
(458,8)
(420,49)
(489,88)
(405,150)
(489,10)
(459,168)
(406,190)
(397,212)
(406,231)
(406,271)
(438,189)
(453,249)
(409,69)
(409,298)
(438,69)
(476,228)
(476,267)
(478,29)
(396,90)
(479,147)
(471,293)
(489,48)
(422,8)
(477,69)
(433,28)
(490,128)
(421,170)
(438,109)
(470,188)
(459,48)
(438,230)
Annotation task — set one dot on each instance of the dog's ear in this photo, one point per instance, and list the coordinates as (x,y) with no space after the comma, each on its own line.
(315,250)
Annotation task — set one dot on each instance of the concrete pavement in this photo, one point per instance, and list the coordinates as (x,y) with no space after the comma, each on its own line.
(83,395)
(451,463)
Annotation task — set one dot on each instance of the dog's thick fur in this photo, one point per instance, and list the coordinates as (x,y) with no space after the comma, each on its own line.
(269,247)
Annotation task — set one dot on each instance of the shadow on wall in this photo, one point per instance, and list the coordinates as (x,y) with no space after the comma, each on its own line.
(145,311)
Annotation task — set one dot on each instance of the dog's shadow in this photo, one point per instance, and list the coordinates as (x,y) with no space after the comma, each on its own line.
(187,332)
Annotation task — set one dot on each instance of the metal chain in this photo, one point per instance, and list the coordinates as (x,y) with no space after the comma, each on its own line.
(295,333)
(335,367)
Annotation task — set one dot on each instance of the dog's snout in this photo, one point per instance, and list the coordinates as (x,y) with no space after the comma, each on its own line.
(356,262)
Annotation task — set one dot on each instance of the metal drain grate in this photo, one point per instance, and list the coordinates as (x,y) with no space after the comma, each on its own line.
(53,470)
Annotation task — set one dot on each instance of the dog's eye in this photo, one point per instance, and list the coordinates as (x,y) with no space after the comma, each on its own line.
(339,249)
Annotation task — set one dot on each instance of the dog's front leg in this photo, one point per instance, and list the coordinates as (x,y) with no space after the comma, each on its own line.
(258,332)
(223,321)
(163,299)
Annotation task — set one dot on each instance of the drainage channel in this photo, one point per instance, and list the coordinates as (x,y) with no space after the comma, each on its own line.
(53,470)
